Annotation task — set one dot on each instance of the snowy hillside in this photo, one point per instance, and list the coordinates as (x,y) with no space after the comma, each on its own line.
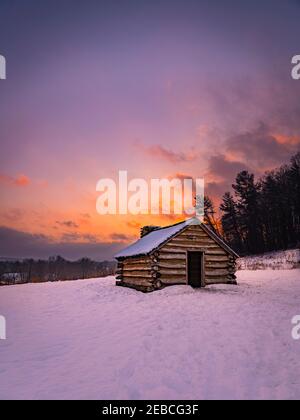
(92,340)
(281,260)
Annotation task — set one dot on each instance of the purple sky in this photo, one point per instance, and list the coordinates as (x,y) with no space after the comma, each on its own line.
(201,88)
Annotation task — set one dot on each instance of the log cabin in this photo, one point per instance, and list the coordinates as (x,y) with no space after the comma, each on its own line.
(188,252)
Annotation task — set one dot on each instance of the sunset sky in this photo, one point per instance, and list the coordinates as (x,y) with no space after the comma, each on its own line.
(158,88)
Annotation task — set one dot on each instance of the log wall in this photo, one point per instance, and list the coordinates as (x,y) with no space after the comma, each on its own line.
(168,264)
(139,273)
(219,264)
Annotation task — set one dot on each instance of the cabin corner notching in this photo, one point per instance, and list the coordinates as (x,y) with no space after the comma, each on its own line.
(184,253)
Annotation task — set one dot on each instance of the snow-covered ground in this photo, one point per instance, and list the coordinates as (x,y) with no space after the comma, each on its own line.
(277,260)
(92,340)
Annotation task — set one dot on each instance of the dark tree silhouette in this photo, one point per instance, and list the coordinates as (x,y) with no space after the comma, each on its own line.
(53,269)
(264,215)
(210,215)
(230,222)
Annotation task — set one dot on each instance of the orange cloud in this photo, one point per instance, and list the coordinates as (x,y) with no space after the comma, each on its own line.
(168,155)
(22,181)
(282,139)
(18,181)
(134,225)
(181,176)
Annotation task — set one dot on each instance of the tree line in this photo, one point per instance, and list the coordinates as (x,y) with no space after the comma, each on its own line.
(260,215)
(53,269)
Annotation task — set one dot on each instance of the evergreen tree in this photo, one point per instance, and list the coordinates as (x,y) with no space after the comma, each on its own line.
(294,188)
(230,223)
(247,194)
(210,215)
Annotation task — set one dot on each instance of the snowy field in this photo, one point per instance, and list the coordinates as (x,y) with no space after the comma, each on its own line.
(277,260)
(92,340)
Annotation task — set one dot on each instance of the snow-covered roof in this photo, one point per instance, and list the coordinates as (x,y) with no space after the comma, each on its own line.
(153,239)
(157,237)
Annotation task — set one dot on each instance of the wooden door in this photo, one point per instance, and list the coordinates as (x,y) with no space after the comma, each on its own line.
(194,268)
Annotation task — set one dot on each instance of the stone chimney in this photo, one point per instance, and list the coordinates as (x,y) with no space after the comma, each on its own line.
(147,229)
